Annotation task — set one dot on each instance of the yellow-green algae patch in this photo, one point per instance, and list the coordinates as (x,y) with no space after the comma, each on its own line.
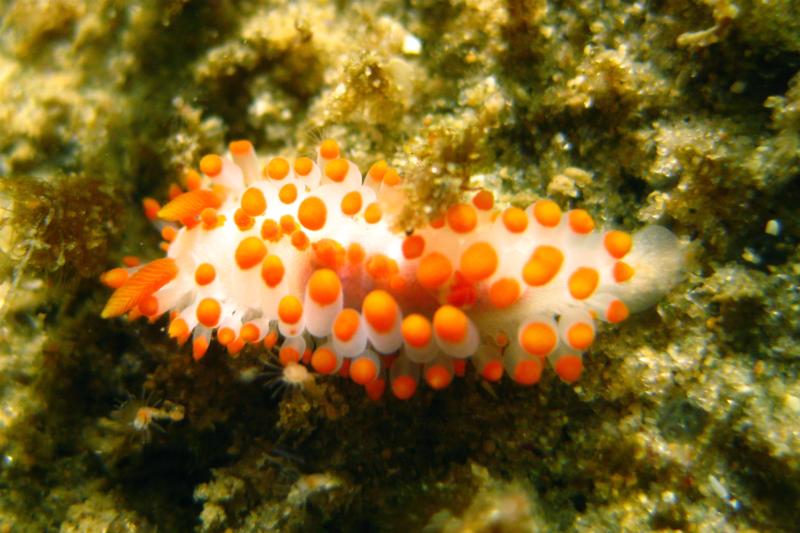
(681,113)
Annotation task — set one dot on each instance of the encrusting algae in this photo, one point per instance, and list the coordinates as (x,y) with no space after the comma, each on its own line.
(682,115)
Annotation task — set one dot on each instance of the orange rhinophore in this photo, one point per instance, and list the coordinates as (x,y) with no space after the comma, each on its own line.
(143,283)
(189,204)
(304,258)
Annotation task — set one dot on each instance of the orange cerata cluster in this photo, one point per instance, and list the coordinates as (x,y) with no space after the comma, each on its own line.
(301,257)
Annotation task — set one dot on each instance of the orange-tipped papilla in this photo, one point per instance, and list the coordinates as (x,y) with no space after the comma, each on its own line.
(403,378)
(576,329)
(290,316)
(382,318)
(567,365)
(488,362)
(349,336)
(538,336)
(200,341)
(244,155)
(365,368)
(291,351)
(454,332)
(438,373)
(417,332)
(323,301)
(522,367)
(326,360)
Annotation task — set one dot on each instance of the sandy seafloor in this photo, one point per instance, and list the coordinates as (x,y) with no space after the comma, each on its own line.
(684,113)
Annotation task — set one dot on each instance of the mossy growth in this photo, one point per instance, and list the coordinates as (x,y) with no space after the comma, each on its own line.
(63,225)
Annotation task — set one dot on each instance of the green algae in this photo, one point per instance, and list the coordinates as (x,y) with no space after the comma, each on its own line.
(684,114)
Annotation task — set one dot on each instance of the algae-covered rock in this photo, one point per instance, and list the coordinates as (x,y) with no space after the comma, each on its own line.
(684,114)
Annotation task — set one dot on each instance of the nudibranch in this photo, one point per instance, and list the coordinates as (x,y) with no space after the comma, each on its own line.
(303,257)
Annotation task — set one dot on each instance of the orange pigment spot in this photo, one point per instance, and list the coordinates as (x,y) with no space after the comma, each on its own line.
(270,231)
(504,292)
(328,149)
(583,282)
(404,387)
(346,324)
(272,270)
(580,335)
(479,261)
(225,336)
(380,310)
(300,240)
(199,348)
(242,147)
(250,252)
(178,329)
(270,339)
(438,377)
(208,312)
(413,246)
(288,193)
(324,361)
(492,371)
(114,278)
(416,330)
(278,168)
(351,203)
(192,179)
(538,338)
(355,253)
(617,312)
(250,332)
(515,220)
(288,355)
(434,270)
(580,221)
(363,370)
(484,200)
(622,271)
(543,265)
(373,213)
(569,368)
(209,217)
(462,218)
(149,306)
(324,286)
(211,165)
(617,243)
(253,202)
(303,166)
(288,224)
(242,220)
(450,324)
(378,170)
(547,213)
(392,178)
(329,253)
(527,372)
(204,274)
(151,208)
(168,233)
(312,213)
(336,170)
(290,309)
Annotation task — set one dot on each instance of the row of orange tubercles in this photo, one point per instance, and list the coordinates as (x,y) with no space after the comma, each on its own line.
(302,257)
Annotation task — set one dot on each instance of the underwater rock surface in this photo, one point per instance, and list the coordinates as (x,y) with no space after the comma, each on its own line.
(683,114)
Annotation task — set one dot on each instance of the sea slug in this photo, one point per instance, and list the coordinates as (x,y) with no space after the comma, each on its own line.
(303,257)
